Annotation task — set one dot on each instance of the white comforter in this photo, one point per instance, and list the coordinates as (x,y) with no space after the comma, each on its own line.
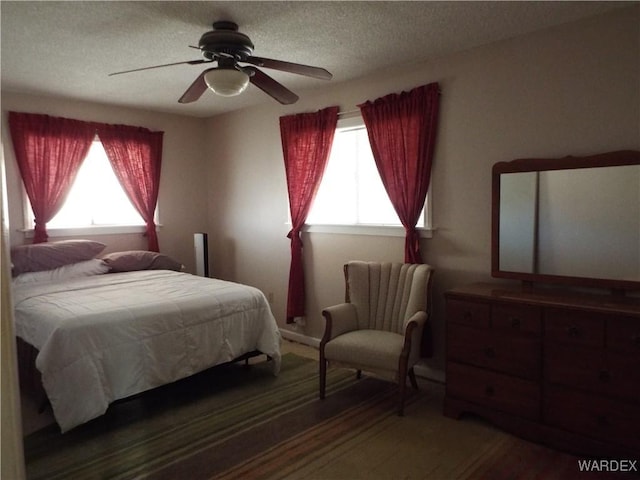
(106,337)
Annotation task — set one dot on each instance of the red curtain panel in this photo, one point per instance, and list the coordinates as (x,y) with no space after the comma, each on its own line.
(402,133)
(49,152)
(135,154)
(306,145)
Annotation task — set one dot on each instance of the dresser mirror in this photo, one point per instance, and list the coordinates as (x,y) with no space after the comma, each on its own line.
(573,220)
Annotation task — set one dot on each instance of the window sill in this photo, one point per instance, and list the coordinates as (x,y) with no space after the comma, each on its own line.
(375,230)
(88,231)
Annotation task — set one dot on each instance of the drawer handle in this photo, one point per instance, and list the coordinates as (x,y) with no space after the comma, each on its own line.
(515,322)
(604,376)
(489,391)
(490,352)
(573,331)
(467,316)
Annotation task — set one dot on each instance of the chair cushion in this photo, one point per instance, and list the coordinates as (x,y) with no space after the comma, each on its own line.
(375,348)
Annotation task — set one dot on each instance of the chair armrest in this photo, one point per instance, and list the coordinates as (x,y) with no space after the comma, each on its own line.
(340,319)
(413,336)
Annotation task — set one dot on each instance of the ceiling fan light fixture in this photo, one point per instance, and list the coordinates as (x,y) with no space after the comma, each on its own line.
(226,82)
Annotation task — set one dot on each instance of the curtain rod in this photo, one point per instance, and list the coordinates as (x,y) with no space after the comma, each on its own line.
(349,113)
(353,113)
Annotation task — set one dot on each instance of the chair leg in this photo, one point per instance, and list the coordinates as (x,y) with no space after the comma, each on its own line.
(402,385)
(412,377)
(323,374)
(359,374)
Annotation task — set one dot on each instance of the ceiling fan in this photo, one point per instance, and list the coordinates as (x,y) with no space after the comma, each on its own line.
(228,47)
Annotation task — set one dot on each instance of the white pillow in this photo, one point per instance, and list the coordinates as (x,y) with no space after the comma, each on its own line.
(94,266)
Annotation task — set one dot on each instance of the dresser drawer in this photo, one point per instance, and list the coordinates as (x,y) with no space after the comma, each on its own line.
(468,313)
(547,363)
(574,327)
(597,417)
(493,390)
(624,373)
(512,354)
(606,373)
(623,333)
(516,319)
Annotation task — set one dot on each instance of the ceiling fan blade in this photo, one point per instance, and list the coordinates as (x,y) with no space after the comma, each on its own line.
(189,62)
(195,90)
(271,87)
(315,72)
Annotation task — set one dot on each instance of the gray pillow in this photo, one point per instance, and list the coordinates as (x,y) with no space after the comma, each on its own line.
(132,260)
(47,256)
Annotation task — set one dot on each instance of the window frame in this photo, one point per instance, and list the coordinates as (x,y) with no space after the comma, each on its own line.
(355,120)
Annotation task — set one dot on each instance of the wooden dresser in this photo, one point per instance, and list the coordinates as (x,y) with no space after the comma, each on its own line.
(557,368)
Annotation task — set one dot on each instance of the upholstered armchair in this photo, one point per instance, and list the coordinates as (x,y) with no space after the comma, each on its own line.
(379,327)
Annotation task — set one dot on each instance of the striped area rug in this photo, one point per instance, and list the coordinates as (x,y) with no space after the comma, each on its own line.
(229,422)
(514,458)
(238,422)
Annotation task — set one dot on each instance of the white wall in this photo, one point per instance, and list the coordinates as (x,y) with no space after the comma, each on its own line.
(568,90)
(182,201)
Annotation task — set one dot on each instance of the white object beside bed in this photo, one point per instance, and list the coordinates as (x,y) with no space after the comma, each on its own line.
(106,337)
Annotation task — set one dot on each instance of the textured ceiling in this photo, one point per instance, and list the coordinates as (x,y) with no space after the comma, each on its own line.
(68,48)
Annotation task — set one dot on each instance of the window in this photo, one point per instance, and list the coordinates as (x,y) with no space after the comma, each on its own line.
(95,200)
(351,192)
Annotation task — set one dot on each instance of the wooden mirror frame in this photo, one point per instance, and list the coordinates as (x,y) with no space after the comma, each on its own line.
(611,159)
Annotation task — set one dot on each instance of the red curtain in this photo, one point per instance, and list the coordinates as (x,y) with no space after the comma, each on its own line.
(306,145)
(49,152)
(402,132)
(135,154)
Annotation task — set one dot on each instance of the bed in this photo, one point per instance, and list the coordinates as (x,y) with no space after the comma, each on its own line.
(109,334)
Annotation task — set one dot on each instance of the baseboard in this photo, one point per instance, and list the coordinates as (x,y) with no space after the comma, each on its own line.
(300,338)
(425,371)
(421,369)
